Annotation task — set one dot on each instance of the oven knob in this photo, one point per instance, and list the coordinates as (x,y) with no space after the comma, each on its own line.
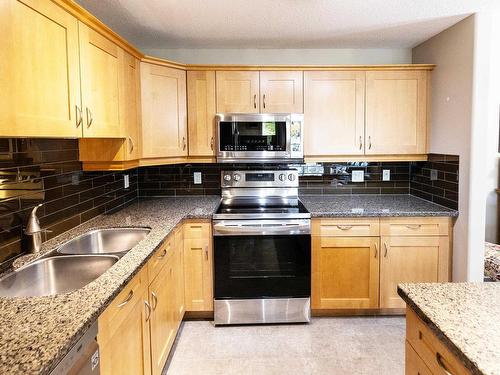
(227,177)
(291,177)
(282,177)
(236,177)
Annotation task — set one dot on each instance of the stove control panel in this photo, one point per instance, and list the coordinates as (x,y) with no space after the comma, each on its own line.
(260,178)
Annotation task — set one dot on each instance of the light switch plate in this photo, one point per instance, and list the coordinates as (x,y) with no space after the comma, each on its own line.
(358,176)
(197,178)
(126,181)
(434,174)
(386,175)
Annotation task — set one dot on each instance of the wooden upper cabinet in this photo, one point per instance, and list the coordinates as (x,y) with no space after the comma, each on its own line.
(164,120)
(40,79)
(334,104)
(281,92)
(201,112)
(100,62)
(130,108)
(237,92)
(396,112)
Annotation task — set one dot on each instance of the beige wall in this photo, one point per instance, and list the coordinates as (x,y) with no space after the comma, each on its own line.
(285,56)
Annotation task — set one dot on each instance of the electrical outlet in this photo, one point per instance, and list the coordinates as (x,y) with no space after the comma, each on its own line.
(386,175)
(126,181)
(358,176)
(434,174)
(197,178)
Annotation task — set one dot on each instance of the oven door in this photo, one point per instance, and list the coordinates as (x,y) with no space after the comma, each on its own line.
(262,259)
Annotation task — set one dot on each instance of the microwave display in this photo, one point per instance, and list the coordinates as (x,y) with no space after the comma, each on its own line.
(252,136)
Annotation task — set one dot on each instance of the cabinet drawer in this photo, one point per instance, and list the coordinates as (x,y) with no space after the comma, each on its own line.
(415,226)
(430,349)
(161,257)
(414,364)
(122,305)
(195,230)
(346,227)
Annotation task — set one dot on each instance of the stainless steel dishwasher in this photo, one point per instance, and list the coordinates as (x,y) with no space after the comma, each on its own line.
(83,358)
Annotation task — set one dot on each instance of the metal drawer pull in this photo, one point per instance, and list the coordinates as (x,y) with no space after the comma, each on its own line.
(148,310)
(264,100)
(385,245)
(413,226)
(79,116)
(344,227)
(439,360)
(90,118)
(127,300)
(255,101)
(360,143)
(162,255)
(376,250)
(155,300)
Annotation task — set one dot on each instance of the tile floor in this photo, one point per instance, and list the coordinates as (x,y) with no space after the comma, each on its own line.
(334,346)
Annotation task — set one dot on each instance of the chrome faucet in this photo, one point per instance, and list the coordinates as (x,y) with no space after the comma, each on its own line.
(34,230)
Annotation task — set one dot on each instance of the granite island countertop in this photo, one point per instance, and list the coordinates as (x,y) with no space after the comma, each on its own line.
(37,332)
(464,316)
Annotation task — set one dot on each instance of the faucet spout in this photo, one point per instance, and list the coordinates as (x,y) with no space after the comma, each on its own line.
(34,230)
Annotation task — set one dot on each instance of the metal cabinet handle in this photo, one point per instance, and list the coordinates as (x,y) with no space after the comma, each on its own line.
(206,252)
(385,253)
(255,101)
(184,143)
(90,118)
(155,300)
(212,143)
(148,310)
(344,227)
(376,250)
(127,300)
(79,116)
(163,253)
(439,360)
(413,226)
(264,100)
(132,144)
(369,142)
(360,142)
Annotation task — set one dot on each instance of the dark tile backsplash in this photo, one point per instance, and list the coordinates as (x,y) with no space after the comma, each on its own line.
(444,189)
(34,171)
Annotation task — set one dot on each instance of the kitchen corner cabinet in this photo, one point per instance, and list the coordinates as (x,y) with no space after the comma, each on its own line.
(40,80)
(334,113)
(164,119)
(101,62)
(396,112)
(201,113)
(198,267)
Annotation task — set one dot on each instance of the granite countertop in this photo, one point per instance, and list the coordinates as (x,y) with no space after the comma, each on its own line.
(465,316)
(37,332)
(373,205)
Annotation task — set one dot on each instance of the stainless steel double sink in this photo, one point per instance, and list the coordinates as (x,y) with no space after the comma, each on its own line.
(73,265)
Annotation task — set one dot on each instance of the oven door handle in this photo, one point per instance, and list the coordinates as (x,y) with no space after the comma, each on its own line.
(267,229)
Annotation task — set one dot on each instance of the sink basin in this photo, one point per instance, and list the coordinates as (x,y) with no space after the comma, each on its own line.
(105,241)
(55,275)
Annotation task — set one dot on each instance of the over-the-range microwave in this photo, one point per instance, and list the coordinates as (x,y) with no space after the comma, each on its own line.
(259,138)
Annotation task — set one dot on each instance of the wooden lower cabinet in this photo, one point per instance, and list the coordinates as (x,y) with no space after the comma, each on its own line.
(345,272)
(414,364)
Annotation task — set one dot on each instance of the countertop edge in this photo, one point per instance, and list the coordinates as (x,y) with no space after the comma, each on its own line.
(471,366)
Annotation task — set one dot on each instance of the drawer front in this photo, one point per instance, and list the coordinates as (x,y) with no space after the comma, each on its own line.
(161,257)
(430,349)
(347,227)
(123,304)
(415,226)
(414,365)
(196,230)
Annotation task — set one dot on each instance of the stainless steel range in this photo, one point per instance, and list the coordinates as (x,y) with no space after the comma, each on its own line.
(262,249)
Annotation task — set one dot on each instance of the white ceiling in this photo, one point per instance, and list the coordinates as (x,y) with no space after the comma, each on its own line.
(157,24)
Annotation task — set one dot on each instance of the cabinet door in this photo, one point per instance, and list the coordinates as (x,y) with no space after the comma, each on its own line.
(237,92)
(396,112)
(201,112)
(40,79)
(408,260)
(345,272)
(130,108)
(179,268)
(334,105)
(281,92)
(198,280)
(164,122)
(414,365)
(163,318)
